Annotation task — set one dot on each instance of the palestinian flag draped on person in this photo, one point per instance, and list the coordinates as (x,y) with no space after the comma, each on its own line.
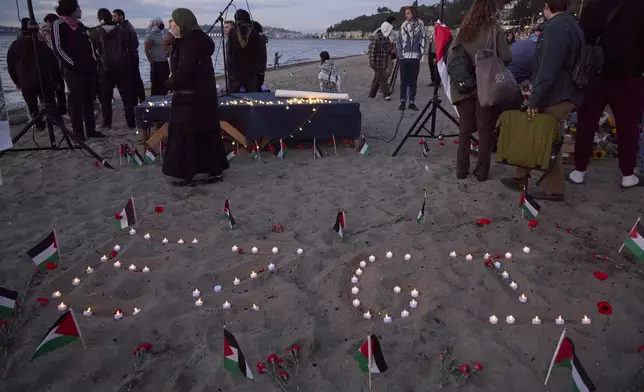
(229,213)
(234,360)
(529,205)
(64,331)
(369,357)
(8,300)
(45,252)
(442,40)
(565,356)
(339,224)
(635,240)
(127,217)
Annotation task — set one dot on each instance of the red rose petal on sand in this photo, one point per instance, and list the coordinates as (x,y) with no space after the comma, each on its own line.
(605,308)
(240,251)
(159,209)
(421,142)
(261,270)
(441,144)
(42,300)
(272,358)
(296,347)
(97,163)
(478,367)
(113,254)
(261,368)
(483,221)
(465,369)
(600,275)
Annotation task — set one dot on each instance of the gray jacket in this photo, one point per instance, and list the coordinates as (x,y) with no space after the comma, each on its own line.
(557,49)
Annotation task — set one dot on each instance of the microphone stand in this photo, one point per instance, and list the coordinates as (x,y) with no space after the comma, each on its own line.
(220,20)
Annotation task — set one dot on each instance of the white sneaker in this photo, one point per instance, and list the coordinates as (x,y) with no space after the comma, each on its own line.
(577,176)
(388,98)
(630,181)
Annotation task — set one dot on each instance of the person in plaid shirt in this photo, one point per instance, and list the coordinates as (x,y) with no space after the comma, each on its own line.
(379,58)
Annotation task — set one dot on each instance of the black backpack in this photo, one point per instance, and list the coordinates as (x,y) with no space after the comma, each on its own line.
(113,49)
(461,69)
(27,69)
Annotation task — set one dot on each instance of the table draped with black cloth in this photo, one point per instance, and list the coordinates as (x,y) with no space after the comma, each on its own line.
(275,120)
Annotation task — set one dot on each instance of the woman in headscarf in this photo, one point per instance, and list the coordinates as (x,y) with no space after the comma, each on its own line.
(245,53)
(328,76)
(156,55)
(194,138)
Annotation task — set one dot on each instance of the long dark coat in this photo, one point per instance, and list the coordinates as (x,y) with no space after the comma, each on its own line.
(194,138)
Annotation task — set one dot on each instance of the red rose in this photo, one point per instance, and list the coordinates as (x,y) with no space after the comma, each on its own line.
(465,369)
(441,144)
(280,361)
(489,263)
(280,228)
(240,251)
(296,347)
(605,308)
(97,163)
(300,147)
(51,265)
(261,270)
(533,223)
(42,300)
(3,323)
(348,141)
(455,141)
(159,209)
(283,375)
(483,221)
(478,367)
(600,275)
(274,228)
(421,142)
(272,358)
(113,254)
(146,346)
(118,216)
(569,230)
(261,368)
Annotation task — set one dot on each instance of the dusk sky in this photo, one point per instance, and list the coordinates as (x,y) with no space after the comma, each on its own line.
(300,15)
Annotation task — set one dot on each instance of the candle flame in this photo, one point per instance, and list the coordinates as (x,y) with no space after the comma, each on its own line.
(62,304)
(89,309)
(118,311)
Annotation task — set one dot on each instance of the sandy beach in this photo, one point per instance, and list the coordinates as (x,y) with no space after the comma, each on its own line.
(307,300)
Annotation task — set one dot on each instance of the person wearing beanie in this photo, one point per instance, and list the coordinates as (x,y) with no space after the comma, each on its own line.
(379,59)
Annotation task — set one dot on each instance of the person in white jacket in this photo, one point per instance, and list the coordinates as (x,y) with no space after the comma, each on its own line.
(411,46)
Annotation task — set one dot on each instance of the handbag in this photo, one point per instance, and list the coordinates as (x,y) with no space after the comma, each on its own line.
(495,83)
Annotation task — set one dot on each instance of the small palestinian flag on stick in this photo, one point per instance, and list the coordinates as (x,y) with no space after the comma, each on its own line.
(425,148)
(124,151)
(421,213)
(565,356)
(234,154)
(45,252)
(234,360)
(282,151)
(339,224)
(370,358)
(150,156)
(64,331)
(137,159)
(229,213)
(363,148)
(127,217)
(255,155)
(635,241)
(7,301)
(317,154)
(529,206)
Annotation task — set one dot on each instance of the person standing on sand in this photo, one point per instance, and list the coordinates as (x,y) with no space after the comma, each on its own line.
(156,55)
(411,47)
(194,138)
(379,58)
(276,63)
(138,89)
(328,76)
(261,69)
(73,46)
(244,54)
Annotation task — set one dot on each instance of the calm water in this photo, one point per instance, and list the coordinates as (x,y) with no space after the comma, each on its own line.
(292,51)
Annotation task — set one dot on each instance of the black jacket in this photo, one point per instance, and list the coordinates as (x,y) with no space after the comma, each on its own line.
(622,40)
(245,61)
(74,47)
(194,99)
(557,49)
(111,30)
(22,69)
(133,38)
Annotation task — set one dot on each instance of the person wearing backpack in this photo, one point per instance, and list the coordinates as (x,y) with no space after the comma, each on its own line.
(111,45)
(23,70)
(478,26)
(617,27)
(73,46)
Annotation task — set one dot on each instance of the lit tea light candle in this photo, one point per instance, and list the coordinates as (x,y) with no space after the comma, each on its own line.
(367,316)
(76,281)
(452,254)
(147,236)
(89,270)
(397,290)
(62,307)
(254,249)
(505,274)
(253,274)
(513,285)
(136,311)
(88,312)
(118,315)
(494,320)
(271,267)
(413,304)
(255,307)
(226,305)
(363,264)
(195,241)
(372,258)
(523,298)
(407,257)
(414,293)
(404,314)
(275,250)
(180,241)
(536,320)
(217,288)
(358,272)
(509,319)
(526,250)
(117,248)
(497,265)
(235,248)
(354,279)
(559,320)
(132,231)
(356,303)
(300,251)
(199,302)
(164,241)
(508,255)
(117,264)
(486,256)
(355,290)
(386,319)
(146,269)
(585,320)
(196,293)
(132,267)
(389,255)
(103,259)
(469,257)
(56,294)
(236,282)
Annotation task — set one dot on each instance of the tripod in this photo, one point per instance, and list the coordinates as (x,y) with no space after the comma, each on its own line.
(47,112)
(220,20)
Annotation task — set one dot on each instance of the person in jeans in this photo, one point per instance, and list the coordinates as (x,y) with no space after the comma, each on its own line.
(619,85)
(478,30)
(411,47)
(379,57)
(553,91)
(138,90)
(156,55)
(73,46)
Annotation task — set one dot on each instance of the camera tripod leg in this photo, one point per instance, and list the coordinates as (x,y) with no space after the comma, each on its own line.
(417,126)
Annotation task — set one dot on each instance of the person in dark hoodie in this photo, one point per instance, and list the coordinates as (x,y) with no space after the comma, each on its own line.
(263,55)
(73,46)
(553,91)
(620,84)
(244,54)
(194,138)
(23,70)
(111,47)
(138,89)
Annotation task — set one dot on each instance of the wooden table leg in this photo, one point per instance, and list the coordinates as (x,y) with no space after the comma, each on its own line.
(233,132)
(155,139)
